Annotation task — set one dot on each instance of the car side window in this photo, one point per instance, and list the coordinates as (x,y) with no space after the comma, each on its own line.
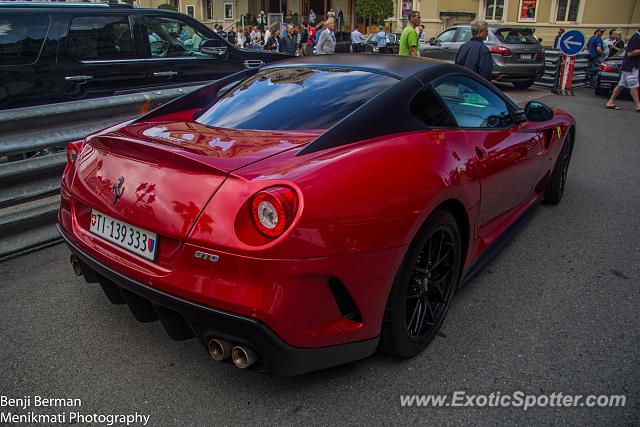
(447,36)
(22,38)
(100,38)
(464,35)
(429,109)
(173,38)
(472,104)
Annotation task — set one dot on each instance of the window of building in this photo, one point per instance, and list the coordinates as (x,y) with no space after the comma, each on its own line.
(100,38)
(567,10)
(22,38)
(494,9)
(191,10)
(228,11)
(472,104)
(528,10)
(209,7)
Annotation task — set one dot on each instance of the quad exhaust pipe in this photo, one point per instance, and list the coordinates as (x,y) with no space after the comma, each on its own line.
(243,357)
(219,350)
(75,264)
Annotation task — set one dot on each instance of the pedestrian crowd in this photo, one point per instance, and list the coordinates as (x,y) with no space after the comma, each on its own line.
(317,36)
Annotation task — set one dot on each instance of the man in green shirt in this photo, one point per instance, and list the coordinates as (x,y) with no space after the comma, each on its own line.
(409,37)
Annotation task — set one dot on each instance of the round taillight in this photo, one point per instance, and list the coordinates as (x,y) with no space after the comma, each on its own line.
(273,209)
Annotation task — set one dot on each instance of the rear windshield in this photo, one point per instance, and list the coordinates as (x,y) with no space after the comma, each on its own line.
(22,38)
(294,99)
(515,36)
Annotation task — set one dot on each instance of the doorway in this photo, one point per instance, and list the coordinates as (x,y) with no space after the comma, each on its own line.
(318,7)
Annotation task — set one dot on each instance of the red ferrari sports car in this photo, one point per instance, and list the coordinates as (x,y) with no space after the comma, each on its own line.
(303,215)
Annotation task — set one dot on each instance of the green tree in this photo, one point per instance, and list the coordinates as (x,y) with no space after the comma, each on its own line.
(375,10)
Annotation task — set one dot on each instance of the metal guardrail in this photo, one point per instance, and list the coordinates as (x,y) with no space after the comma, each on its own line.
(32,158)
(551,57)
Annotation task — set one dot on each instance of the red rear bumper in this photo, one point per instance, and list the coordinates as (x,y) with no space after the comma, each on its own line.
(301,301)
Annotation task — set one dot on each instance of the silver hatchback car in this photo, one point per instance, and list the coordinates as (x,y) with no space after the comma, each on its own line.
(517,55)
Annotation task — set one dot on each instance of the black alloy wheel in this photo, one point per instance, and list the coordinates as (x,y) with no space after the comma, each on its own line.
(430,284)
(555,189)
(423,288)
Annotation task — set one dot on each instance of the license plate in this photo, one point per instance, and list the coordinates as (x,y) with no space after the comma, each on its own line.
(134,239)
(526,56)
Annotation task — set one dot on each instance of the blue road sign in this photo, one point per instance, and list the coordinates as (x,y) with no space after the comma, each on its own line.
(571,42)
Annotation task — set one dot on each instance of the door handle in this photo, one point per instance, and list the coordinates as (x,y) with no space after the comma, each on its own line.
(480,153)
(253,63)
(168,74)
(81,79)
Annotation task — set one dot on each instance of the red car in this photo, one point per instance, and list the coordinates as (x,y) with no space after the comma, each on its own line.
(302,215)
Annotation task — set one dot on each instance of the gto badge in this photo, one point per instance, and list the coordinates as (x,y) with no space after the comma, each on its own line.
(118,189)
(206,256)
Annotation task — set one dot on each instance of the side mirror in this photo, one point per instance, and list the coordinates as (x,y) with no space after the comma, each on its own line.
(432,41)
(213,47)
(536,111)
(539,39)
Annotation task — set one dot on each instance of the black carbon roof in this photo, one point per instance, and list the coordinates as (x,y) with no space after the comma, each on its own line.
(395,65)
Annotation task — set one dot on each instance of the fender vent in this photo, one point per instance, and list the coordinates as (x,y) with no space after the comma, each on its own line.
(548,136)
(344,300)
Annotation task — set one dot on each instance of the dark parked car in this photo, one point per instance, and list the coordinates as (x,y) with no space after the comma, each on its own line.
(518,56)
(343,42)
(609,74)
(393,43)
(66,51)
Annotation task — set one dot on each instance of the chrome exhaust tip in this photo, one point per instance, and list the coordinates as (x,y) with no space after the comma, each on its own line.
(243,357)
(219,349)
(75,265)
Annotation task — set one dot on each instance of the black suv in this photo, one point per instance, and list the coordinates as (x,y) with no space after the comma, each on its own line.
(51,52)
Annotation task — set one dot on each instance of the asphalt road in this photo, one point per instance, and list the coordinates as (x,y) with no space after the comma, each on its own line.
(556,311)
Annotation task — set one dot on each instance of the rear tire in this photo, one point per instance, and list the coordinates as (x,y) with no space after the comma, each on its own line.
(555,188)
(524,85)
(423,288)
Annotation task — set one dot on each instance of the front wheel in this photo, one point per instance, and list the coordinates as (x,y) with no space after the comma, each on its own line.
(555,188)
(423,288)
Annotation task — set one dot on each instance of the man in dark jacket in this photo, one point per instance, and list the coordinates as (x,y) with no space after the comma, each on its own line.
(304,38)
(556,41)
(273,44)
(288,42)
(474,54)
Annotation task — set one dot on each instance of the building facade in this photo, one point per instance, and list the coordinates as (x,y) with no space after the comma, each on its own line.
(229,12)
(546,16)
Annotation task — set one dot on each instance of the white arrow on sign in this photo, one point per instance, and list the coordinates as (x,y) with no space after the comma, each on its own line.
(568,41)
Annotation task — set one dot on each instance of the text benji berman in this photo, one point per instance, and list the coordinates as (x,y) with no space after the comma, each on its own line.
(32,401)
